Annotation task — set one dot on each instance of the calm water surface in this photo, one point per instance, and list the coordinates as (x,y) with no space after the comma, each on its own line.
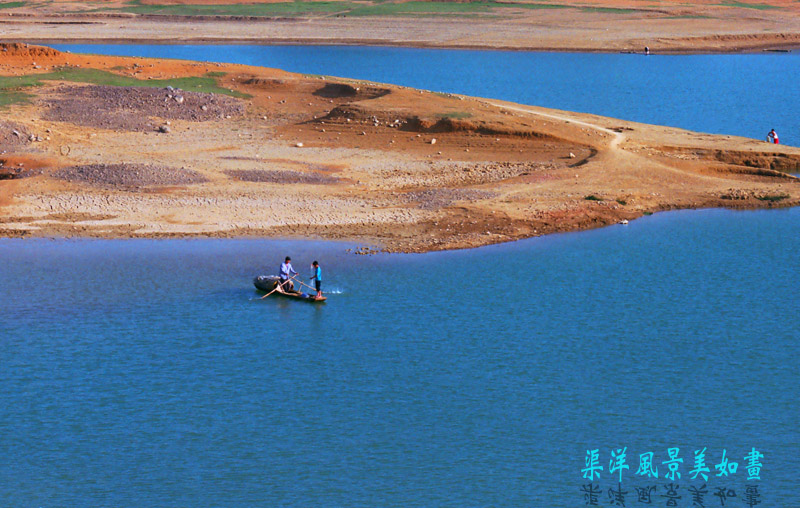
(743,95)
(147,373)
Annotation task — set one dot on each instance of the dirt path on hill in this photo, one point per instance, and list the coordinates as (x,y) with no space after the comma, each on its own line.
(304,156)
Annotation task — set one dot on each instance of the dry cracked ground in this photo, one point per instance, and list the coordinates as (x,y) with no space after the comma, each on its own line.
(132,147)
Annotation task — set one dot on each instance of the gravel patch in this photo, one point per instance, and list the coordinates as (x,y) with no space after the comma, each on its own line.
(134,108)
(439,198)
(10,173)
(128,175)
(12,135)
(279,176)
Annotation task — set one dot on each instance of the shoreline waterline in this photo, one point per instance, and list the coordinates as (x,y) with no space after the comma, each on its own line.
(367,43)
(372,247)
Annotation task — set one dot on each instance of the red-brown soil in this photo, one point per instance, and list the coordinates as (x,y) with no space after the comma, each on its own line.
(332,158)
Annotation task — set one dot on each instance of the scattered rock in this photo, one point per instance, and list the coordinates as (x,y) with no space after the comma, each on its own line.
(128,176)
(279,176)
(13,135)
(133,108)
(11,173)
(433,199)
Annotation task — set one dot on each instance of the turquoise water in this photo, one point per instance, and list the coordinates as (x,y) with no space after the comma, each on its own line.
(147,373)
(743,95)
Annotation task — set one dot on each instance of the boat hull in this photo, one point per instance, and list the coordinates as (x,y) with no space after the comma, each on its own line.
(267,283)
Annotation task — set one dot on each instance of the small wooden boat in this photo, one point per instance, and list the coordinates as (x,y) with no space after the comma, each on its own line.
(267,283)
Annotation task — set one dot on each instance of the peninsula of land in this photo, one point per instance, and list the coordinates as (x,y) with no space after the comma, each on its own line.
(666,26)
(131,147)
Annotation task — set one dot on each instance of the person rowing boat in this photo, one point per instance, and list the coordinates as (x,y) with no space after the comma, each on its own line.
(286,274)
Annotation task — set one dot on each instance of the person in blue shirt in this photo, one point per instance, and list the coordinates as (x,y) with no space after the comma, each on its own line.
(317,277)
(286,273)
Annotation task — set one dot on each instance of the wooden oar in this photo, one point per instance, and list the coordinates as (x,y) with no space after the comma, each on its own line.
(306,285)
(278,286)
(309,287)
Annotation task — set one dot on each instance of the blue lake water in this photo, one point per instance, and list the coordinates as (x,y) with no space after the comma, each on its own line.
(743,95)
(148,373)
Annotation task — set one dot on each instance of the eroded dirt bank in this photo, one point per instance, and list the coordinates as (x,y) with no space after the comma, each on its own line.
(131,147)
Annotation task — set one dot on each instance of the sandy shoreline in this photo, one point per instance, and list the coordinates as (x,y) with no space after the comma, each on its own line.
(762,47)
(596,26)
(181,149)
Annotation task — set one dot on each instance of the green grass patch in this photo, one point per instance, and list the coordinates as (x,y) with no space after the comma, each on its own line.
(216,74)
(12,5)
(439,7)
(276,9)
(745,5)
(12,87)
(7,98)
(7,82)
(647,213)
(592,197)
(345,7)
(460,115)
(773,198)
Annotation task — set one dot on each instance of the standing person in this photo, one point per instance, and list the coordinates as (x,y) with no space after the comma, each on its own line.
(772,137)
(317,277)
(286,273)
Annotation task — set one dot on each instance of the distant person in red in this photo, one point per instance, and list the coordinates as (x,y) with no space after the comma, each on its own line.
(772,137)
